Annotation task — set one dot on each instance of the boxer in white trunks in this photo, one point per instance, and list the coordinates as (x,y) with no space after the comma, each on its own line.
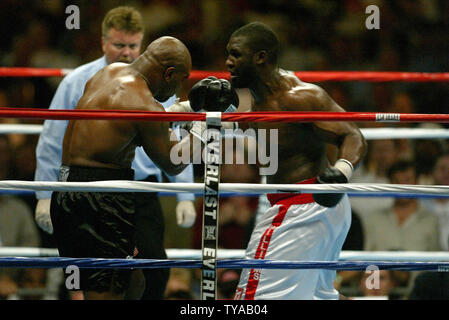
(297,227)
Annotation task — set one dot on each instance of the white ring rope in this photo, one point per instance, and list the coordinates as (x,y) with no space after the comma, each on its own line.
(346,255)
(28,252)
(253,188)
(404,133)
(20,128)
(368,133)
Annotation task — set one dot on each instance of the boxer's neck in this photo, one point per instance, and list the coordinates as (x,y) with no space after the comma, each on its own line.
(143,66)
(145,69)
(268,82)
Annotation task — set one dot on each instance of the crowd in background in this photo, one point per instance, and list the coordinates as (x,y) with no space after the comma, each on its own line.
(315,35)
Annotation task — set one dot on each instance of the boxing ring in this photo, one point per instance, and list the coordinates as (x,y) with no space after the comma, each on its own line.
(234,259)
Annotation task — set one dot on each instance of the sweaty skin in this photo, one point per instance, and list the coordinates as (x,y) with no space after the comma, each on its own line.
(301,146)
(156,74)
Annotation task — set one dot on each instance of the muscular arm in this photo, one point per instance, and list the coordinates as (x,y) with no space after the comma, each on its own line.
(155,139)
(345,135)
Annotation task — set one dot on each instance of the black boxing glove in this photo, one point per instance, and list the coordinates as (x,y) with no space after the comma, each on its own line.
(212,94)
(340,173)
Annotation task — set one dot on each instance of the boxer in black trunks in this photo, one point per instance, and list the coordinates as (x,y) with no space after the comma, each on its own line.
(101,225)
(97,224)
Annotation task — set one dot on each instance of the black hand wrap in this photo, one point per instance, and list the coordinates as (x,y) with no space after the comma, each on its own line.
(212,94)
(330,175)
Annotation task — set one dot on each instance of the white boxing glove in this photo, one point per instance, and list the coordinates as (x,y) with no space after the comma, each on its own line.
(42,215)
(185,213)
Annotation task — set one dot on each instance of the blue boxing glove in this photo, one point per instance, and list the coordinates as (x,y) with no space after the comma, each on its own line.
(212,94)
(340,173)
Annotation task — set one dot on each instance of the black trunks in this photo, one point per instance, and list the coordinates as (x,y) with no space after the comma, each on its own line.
(95,225)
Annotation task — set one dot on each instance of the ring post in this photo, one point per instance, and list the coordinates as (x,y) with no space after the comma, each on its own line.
(212,160)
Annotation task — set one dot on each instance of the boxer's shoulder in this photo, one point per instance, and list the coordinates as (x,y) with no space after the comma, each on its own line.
(298,93)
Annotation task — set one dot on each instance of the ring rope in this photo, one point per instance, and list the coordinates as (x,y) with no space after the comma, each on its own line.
(368,133)
(141,186)
(233,194)
(312,76)
(100,263)
(21,128)
(404,133)
(345,255)
(268,116)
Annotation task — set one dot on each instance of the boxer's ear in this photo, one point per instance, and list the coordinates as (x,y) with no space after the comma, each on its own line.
(169,73)
(260,57)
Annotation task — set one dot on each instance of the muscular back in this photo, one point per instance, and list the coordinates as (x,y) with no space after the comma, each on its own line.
(302,146)
(108,143)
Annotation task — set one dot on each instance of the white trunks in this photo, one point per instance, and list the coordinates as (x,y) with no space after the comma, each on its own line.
(295,228)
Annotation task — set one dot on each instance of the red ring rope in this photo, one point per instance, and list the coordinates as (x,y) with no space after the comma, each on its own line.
(312,76)
(297,116)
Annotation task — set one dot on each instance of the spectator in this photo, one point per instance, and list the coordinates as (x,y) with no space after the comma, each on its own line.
(227,282)
(8,287)
(381,155)
(179,285)
(17,227)
(383,289)
(426,154)
(440,207)
(404,226)
(33,280)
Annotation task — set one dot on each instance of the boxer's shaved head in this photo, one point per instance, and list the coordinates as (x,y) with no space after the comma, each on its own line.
(167,63)
(170,52)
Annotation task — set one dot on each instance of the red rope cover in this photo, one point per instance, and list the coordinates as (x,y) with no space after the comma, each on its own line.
(296,116)
(312,76)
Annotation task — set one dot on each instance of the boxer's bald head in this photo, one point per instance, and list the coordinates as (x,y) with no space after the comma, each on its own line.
(166,63)
(170,52)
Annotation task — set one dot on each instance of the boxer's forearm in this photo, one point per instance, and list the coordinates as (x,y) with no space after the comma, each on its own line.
(353,148)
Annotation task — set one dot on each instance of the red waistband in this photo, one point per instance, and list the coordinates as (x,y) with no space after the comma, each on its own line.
(292,198)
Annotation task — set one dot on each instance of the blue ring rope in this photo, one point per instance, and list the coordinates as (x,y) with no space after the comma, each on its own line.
(98,263)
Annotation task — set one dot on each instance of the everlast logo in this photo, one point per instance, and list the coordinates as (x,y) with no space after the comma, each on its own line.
(211,180)
(388,117)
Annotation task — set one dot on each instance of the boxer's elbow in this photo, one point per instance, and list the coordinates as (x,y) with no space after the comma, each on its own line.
(171,165)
